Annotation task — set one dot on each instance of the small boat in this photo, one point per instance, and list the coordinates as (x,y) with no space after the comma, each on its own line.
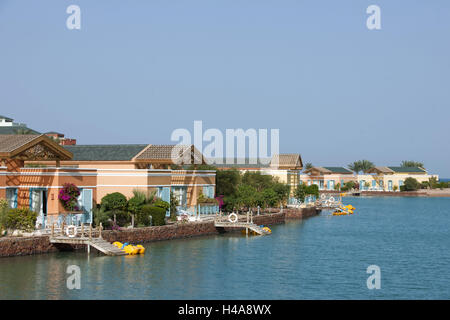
(130,249)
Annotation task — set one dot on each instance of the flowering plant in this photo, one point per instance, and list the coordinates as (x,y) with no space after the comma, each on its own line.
(68,196)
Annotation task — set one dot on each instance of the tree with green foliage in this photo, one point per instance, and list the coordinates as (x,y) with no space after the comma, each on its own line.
(257,180)
(174,203)
(313,190)
(300,192)
(267,198)
(116,206)
(410,163)
(282,190)
(308,166)
(226,182)
(246,196)
(411,184)
(361,165)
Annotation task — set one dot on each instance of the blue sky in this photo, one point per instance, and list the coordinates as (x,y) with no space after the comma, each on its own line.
(137,70)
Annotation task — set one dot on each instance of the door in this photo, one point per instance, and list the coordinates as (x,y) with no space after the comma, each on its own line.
(390,185)
(180,193)
(38,204)
(11,197)
(164,194)
(330,184)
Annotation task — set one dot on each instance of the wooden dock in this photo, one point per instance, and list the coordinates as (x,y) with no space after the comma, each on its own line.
(98,243)
(225,222)
(241,225)
(84,236)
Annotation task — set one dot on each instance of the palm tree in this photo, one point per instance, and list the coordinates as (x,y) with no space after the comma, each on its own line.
(355,167)
(409,163)
(308,166)
(361,165)
(366,165)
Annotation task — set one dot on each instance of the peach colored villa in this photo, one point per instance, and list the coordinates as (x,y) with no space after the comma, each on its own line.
(34,168)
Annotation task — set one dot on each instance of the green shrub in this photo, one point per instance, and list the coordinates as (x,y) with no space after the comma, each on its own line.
(20,218)
(4,207)
(101,216)
(158,215)
(162,204)
(410,184)
(115,204)
(114,201)
(300,192)
(313,190)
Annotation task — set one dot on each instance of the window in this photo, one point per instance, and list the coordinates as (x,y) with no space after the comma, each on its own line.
(208,191)
(11,197)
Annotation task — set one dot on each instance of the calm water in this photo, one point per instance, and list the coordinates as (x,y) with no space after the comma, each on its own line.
(323,257)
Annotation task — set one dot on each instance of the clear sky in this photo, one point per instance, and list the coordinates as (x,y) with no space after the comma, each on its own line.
(137,70)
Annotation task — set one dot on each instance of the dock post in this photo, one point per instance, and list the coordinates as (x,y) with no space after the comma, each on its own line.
(90,232)
(246,229)
(82,230)
(100,230)
(89,248)
(53,229)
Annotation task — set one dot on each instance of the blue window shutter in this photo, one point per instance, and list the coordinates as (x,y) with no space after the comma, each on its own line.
(16,191)
(31,198)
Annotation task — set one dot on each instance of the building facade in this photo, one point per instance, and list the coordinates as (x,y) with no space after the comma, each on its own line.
(34,168)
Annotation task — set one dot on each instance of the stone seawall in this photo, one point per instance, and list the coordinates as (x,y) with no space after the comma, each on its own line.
(18,246)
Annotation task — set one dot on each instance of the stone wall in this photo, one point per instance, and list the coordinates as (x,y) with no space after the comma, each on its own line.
(18,246)
(301,213)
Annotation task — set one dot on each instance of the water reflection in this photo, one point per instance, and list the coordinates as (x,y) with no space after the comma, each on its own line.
(322,257)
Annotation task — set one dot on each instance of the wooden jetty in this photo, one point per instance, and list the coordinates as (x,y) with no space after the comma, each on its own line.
(226,222)
(79,236)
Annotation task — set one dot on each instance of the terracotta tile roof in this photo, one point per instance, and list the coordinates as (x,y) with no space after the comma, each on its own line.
(175,153)
(380,169)
(11,142)
(286,160)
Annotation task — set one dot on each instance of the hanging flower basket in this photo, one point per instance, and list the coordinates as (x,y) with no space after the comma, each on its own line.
(68,196)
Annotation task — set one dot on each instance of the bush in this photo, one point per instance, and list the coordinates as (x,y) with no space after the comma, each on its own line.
(410,184)
(300,192)
(101,216)
(19,219)
(4,207)
(162,204)
(313,190)
(158,215)
(114,201)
